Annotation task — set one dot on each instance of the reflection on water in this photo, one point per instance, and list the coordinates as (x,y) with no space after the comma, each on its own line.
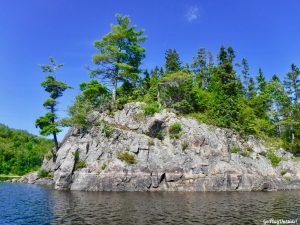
(37,205)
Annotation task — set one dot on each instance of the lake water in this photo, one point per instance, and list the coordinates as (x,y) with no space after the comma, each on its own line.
(30,204)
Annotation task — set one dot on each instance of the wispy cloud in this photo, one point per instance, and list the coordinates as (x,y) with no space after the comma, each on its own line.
(192,14)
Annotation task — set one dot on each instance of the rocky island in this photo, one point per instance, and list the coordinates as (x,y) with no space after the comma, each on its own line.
(128,151)
(208,125)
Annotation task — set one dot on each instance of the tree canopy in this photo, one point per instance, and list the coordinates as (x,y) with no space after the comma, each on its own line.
(216,89)
(120,54)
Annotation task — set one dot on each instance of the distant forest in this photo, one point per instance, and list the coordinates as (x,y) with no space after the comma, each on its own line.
(21,152)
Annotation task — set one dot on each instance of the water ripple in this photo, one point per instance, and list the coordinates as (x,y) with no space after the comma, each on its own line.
(29,204)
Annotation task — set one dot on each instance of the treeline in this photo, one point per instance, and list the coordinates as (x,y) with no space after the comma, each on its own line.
(21,152)
(217,90)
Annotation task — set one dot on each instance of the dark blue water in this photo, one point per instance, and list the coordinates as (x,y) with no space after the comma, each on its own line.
(30,204)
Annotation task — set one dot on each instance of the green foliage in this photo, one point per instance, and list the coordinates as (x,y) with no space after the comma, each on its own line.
(94,92)
(94,95)
(175,130)
(275,160)
(152,108)
(224,86)
(79,113)
(175,91)
(48,124)
(202,117)
(246,119)
(243,152)
(54,87)
(221,93)
(183,106)
(45,123)
(246,152)
(151,142)
(120,54)
(173,63)
(104,165)
(106,129)
(216,93)
(235,149)
(200,99)
(43,173)
(184,145)
(49,155)
(51,175)
(80,164)
(283,172)
(127,157)
(21,152)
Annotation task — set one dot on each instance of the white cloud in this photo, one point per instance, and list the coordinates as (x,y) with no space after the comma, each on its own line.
(192,13)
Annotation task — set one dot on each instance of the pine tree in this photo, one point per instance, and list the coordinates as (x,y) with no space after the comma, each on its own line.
(120,54)
(292,120)
(48,124)
(94,92)
(261,81)
(251,92)
(246,77)
(146,81)
(292,83)
(199,66)
(161,72)
(173,63)
(224,84)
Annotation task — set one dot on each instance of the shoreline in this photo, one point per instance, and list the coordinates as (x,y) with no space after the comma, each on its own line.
(12,176)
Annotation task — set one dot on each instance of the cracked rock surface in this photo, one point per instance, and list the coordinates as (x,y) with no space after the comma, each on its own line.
(199,160)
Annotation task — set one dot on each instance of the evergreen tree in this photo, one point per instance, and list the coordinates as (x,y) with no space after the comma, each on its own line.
(152,92)
(146,82)
(175,91)
(275,78)
(120,54)
(199,62)
(261,81)
(94,92)
(48,124)
(199,66)
(292,83)
(231,54)
(292,118)
(173,63)
(161,72)
(246,77)
(224,85)
(251,88)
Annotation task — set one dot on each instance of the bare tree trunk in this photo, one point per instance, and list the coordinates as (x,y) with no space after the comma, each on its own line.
(54,138)
(56,147)
(114,93)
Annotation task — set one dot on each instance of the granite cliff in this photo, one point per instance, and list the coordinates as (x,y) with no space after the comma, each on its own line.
(128,151)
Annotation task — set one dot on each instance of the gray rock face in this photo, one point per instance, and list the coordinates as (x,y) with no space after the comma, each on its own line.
(32,178)
(199,160)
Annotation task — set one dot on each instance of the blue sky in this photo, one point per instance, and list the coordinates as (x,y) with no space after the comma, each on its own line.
(265,32)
